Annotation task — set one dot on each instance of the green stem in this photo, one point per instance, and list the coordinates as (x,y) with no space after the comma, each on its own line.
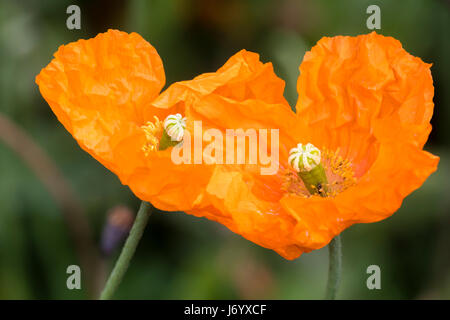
(335,267)
(127,251)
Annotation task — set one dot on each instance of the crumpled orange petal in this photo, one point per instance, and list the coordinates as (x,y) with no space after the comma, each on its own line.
(353,82)
(370,99)
(243,77)
(98,89)
(105,88)
(243,94)
(364,96)
(376,106)
(101,90)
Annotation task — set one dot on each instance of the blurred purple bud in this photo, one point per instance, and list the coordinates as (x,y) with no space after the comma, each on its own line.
(118,225)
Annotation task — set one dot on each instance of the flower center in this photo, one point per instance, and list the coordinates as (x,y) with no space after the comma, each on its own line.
(162,135)
(175,125)
(313,172)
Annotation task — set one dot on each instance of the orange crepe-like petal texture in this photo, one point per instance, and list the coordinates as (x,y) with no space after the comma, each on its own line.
(244,88)
(98,89)
(105,88)
(367,96)
(242,77)
(243,94)
(102,91)
(352,82)
(364,95)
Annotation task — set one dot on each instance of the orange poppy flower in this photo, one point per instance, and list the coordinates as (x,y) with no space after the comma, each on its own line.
(106,93)
(363,117)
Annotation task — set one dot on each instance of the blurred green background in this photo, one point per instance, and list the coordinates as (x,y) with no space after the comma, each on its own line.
(180,256)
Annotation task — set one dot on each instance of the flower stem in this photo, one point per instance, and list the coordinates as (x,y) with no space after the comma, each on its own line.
(335,267)
(127,251)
